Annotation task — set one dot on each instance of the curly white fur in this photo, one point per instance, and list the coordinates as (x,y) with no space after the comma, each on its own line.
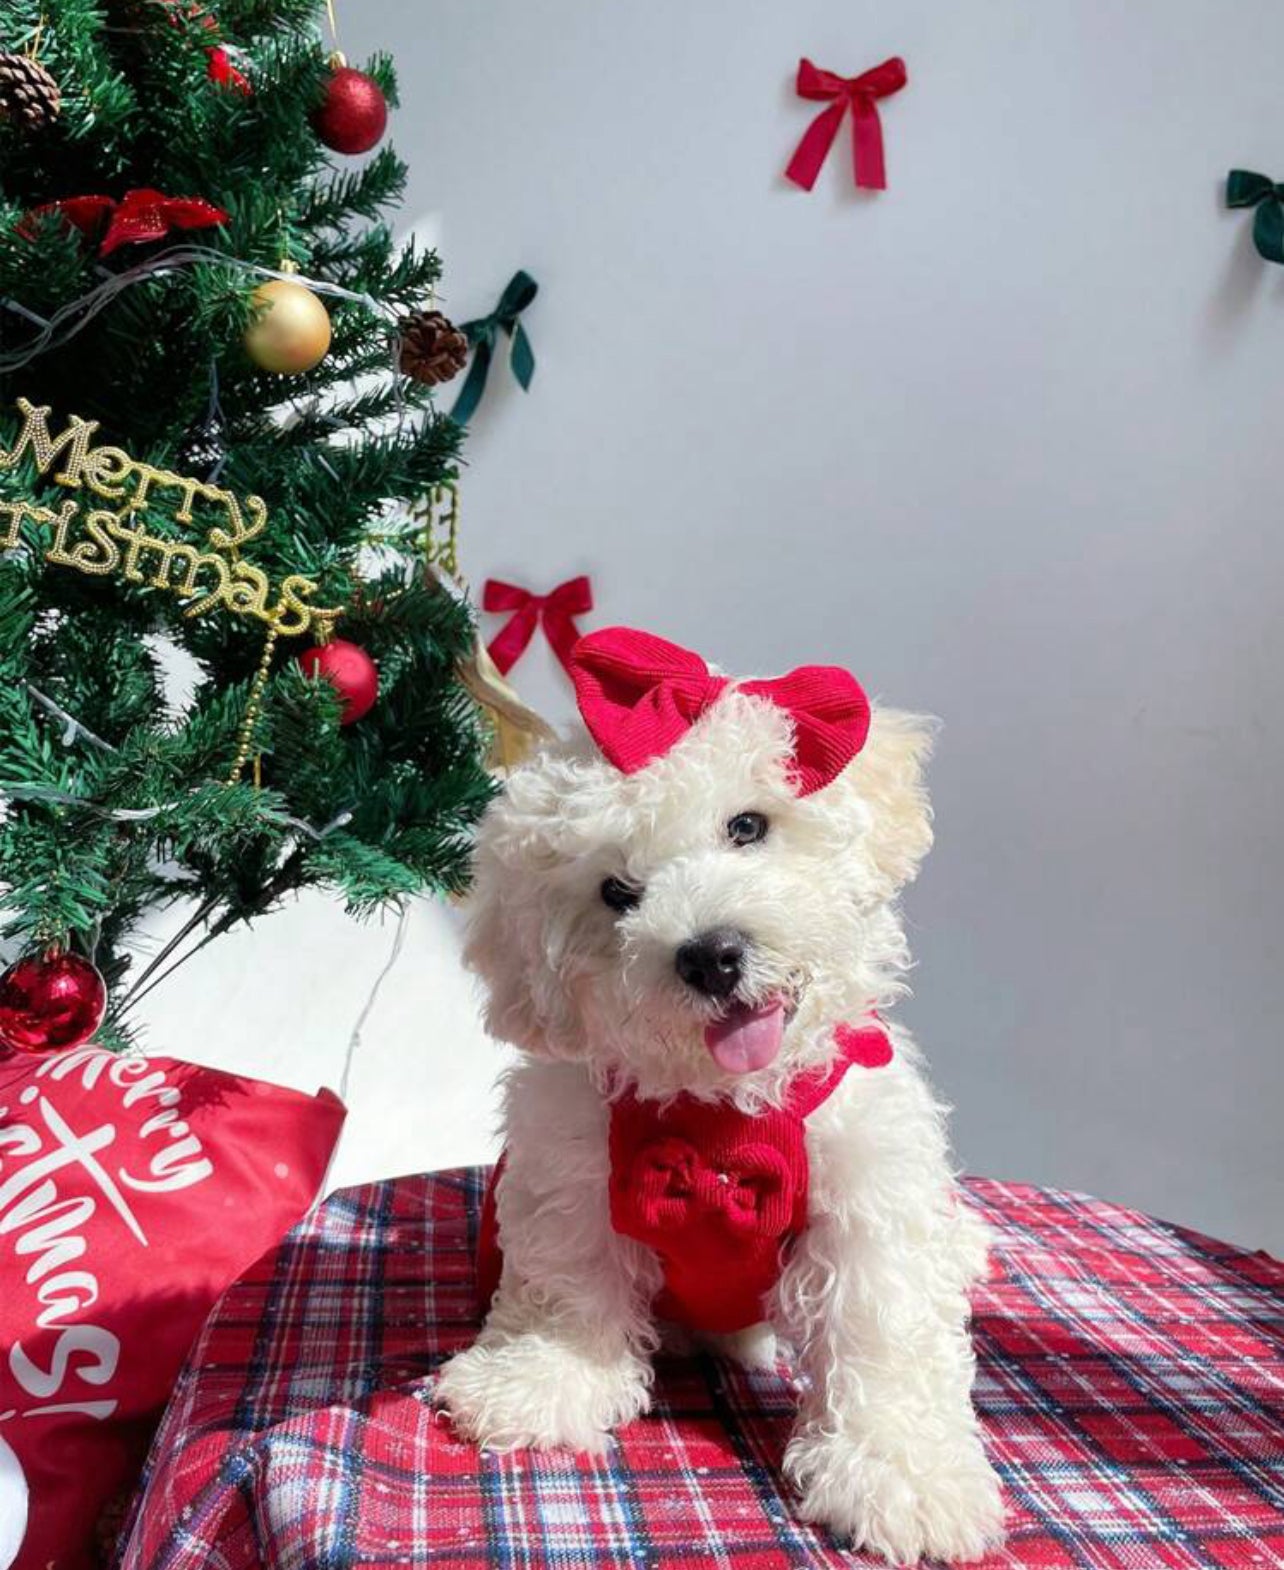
(873,1299)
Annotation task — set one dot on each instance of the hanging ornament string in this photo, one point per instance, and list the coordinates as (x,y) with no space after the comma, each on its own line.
(203,446)
(555,611)
(73,317)
(1244,188)
(483,333)
(354,1038)
(860,94)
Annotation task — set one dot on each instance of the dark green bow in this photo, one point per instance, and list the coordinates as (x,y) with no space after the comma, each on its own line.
(1246,189)
(484,332)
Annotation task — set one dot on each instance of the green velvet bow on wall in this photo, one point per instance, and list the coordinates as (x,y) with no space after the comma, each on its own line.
(1246,189)
(483,334)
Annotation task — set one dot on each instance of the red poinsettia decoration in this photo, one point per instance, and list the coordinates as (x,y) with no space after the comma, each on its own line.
(81,212)
(142,214)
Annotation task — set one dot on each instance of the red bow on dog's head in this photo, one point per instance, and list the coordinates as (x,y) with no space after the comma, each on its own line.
(640,694)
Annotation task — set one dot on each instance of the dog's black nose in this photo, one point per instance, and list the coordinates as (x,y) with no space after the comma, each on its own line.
(712,962)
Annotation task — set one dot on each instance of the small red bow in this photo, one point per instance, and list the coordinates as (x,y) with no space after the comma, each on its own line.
(556,610)
(140,215)
(749,1190)
(861,95)
(640,694)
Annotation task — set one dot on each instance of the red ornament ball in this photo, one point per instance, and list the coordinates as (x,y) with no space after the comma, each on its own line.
(353,114)
(49,1001)
(349,670)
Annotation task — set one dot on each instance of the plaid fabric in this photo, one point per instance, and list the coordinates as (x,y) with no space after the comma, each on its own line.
(1131,1384)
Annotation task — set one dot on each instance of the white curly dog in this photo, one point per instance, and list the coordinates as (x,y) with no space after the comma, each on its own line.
(689,929)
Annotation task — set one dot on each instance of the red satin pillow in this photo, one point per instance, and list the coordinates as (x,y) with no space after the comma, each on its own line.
(132,1193)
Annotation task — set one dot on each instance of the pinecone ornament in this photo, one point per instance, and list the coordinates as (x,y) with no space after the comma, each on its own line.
(432,348)
(29,96)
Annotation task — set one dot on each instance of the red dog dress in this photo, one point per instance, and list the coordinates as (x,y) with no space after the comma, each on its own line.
(719,1194)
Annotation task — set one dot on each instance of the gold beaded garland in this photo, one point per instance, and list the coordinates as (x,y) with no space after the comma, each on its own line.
(252,709)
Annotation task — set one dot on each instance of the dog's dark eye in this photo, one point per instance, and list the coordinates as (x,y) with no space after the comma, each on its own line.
(747,828)
(619,895)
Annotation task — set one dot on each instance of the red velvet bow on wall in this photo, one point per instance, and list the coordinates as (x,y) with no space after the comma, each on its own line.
(556,611)
(860,94)
(640,694)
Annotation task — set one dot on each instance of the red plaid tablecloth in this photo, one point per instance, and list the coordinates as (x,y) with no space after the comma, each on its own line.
(1131,1384)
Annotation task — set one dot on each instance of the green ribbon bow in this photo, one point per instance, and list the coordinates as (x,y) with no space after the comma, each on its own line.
(483,334)
(1246,189)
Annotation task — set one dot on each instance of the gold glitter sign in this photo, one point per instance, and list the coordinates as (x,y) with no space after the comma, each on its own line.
(114,539)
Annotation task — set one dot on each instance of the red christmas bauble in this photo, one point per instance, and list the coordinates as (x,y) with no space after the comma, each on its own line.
(354,113)
(49,1001)
(349,670)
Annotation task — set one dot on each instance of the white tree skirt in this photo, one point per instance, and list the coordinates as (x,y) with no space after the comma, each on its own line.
(279,1001)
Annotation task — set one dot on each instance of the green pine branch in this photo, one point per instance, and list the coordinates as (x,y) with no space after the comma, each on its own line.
(132,807)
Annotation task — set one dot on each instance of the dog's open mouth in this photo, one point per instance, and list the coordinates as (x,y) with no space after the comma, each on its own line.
(748,1035)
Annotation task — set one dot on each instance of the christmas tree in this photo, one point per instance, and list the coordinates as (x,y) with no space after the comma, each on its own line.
(210,464)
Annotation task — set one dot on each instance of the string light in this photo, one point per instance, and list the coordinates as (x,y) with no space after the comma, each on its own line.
(81,311)
(16,791)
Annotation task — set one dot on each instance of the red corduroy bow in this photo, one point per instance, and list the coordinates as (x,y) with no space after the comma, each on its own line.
(640,694)
(556,610)
(861,95)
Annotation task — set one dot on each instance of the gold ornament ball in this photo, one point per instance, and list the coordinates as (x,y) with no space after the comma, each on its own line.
(291,331)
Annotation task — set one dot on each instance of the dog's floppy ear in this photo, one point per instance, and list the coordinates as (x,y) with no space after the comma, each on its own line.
(490,953)
(506,908)
(888,776)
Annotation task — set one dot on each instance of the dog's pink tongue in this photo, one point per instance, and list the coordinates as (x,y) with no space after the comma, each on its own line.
(746,1037)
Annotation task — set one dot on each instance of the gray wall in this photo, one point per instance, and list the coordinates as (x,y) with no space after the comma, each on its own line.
(1004,439)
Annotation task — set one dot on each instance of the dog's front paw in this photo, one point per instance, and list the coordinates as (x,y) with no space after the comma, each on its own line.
(903,1503)
(509,1393)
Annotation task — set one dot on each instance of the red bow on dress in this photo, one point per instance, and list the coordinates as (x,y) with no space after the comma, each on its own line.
(140,215)
(860,94)
(556,610)
(640,694)
(748,1191)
